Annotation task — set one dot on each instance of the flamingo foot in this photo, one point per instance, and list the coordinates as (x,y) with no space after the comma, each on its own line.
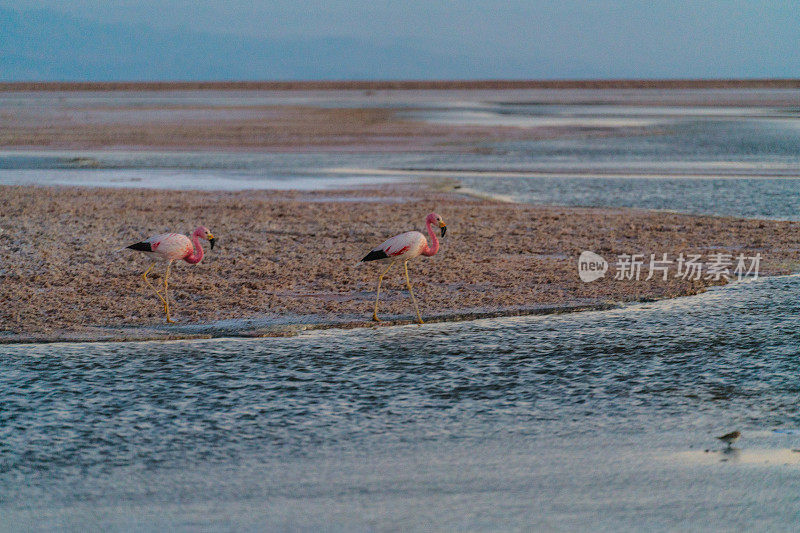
(375,318)
(166,312)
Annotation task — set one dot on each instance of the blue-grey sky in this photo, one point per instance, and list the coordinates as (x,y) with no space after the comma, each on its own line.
(429,39)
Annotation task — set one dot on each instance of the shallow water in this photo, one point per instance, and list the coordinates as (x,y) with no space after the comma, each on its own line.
(739,197)
(737,166)
(224,171)
(741,162)
(735,161)
(559,421)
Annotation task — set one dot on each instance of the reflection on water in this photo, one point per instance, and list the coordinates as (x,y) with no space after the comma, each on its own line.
(779,456)
(684,163)
(187,170)
(196,418)
(762,198)
(203,180)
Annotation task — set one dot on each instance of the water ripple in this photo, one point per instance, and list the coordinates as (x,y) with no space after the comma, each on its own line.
(96,407)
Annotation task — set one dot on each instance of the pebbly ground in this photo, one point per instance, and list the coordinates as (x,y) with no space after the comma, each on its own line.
(290,260)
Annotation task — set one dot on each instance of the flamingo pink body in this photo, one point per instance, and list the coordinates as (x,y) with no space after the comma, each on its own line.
(175,246)
(172,247)
(405,247)
(409,245)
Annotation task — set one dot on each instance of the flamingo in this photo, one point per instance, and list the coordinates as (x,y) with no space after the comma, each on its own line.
(171,247)
(405,247)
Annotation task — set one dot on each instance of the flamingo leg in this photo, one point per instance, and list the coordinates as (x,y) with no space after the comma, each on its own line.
(380,279)
(144,276)
(166,294)
(408,284)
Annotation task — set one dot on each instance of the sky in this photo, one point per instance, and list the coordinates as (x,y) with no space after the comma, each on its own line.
(375,39)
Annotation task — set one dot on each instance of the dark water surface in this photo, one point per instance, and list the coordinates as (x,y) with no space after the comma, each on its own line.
(565,421)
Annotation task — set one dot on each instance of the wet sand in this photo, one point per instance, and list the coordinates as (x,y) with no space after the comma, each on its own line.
(242,128)
(286,261)
(312,116)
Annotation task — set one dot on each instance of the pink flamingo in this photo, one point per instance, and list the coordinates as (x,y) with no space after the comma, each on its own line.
(405,247)
(171,247)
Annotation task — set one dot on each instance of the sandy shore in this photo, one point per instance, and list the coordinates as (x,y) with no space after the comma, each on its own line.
(290,260)
(275,128)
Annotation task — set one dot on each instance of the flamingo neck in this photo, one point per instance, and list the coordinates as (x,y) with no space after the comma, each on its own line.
(196,256)
(434,247)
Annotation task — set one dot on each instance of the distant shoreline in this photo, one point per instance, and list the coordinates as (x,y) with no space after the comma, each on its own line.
(376,85)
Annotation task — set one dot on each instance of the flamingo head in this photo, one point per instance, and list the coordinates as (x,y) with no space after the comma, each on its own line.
(433,218)
(204,233)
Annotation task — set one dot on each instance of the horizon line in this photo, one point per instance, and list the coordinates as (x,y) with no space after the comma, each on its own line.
(411,84)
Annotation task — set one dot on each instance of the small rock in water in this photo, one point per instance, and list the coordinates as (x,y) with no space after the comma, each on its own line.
(84,162)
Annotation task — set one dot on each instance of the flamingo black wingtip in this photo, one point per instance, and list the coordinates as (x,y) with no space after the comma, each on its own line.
(374,255)
(141,247)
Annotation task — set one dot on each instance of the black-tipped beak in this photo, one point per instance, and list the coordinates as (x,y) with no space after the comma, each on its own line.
(444,229)
(211,241)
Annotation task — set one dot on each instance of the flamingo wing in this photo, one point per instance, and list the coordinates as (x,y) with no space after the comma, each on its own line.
(405,243)
(168,245)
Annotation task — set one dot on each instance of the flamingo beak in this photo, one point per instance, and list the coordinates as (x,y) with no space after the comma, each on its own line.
(443,228)
(211,241)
